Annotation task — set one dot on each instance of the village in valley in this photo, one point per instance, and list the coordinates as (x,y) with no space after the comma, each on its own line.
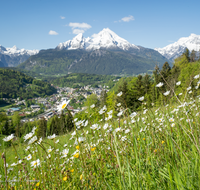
(47,107)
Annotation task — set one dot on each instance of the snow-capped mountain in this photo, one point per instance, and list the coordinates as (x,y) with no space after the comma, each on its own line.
(105,39)
(13,56)
(176,49)
(14,51)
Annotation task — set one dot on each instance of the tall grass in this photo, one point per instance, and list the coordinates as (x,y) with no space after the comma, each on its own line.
(151,149)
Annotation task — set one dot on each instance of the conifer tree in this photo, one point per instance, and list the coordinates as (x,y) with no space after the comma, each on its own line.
(69,121)
(42,128)
(193,56)
(187,54)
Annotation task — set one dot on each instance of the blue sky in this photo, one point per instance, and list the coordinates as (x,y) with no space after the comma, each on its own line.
(156,23)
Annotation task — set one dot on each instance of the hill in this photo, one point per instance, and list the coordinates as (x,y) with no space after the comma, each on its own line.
(15,84)
(82,79)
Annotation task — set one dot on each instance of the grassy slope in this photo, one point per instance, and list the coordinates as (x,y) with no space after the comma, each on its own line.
(154,150)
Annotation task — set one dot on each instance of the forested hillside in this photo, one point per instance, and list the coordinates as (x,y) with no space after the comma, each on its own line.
(82,79)
(15,84)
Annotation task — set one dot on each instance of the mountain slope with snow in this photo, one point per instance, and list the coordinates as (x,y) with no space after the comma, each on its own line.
(105,39)
(12,57)
(174,50)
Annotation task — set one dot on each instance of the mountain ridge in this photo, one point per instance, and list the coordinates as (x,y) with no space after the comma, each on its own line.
(175,49)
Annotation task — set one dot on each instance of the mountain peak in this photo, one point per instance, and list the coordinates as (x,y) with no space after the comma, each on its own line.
(176,49)
(78,37)
(106,39)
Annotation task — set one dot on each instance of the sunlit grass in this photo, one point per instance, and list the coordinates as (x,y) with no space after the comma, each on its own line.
(153,149)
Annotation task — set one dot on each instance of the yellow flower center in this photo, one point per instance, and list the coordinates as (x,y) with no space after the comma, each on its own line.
(63,106)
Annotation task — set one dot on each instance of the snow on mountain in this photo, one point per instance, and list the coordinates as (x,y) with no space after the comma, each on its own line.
(14,51)
(176,49)
(13,56)
(105,39)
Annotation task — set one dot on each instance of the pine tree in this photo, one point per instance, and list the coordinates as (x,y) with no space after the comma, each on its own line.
(69,121)
(187,54)
(42,128)
(193,56)
(123,98)
(103,98)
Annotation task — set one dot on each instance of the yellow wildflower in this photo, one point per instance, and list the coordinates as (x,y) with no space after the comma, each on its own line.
(37,184)
(65,178)
(144,139)
(76,155)
(72,170)
(81,176)
(93,149)
(163,142)
(155,151)
(77,147)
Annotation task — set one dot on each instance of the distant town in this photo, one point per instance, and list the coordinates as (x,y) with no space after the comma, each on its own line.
(47,107)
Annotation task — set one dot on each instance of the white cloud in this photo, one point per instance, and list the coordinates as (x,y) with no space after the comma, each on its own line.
(77,31)
(62,17)
(94,35)
(126,19)
(79,27)
(51,32)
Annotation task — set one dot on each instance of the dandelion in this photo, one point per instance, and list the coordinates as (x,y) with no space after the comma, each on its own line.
(144,139)
(163,142)
(8,138)
(37,184)
(81,176)
(93,148)
(178,83)
(76,155)
(65,178)
(166,93)
(119,94)
(141,98)
(160,84)
(63,105)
